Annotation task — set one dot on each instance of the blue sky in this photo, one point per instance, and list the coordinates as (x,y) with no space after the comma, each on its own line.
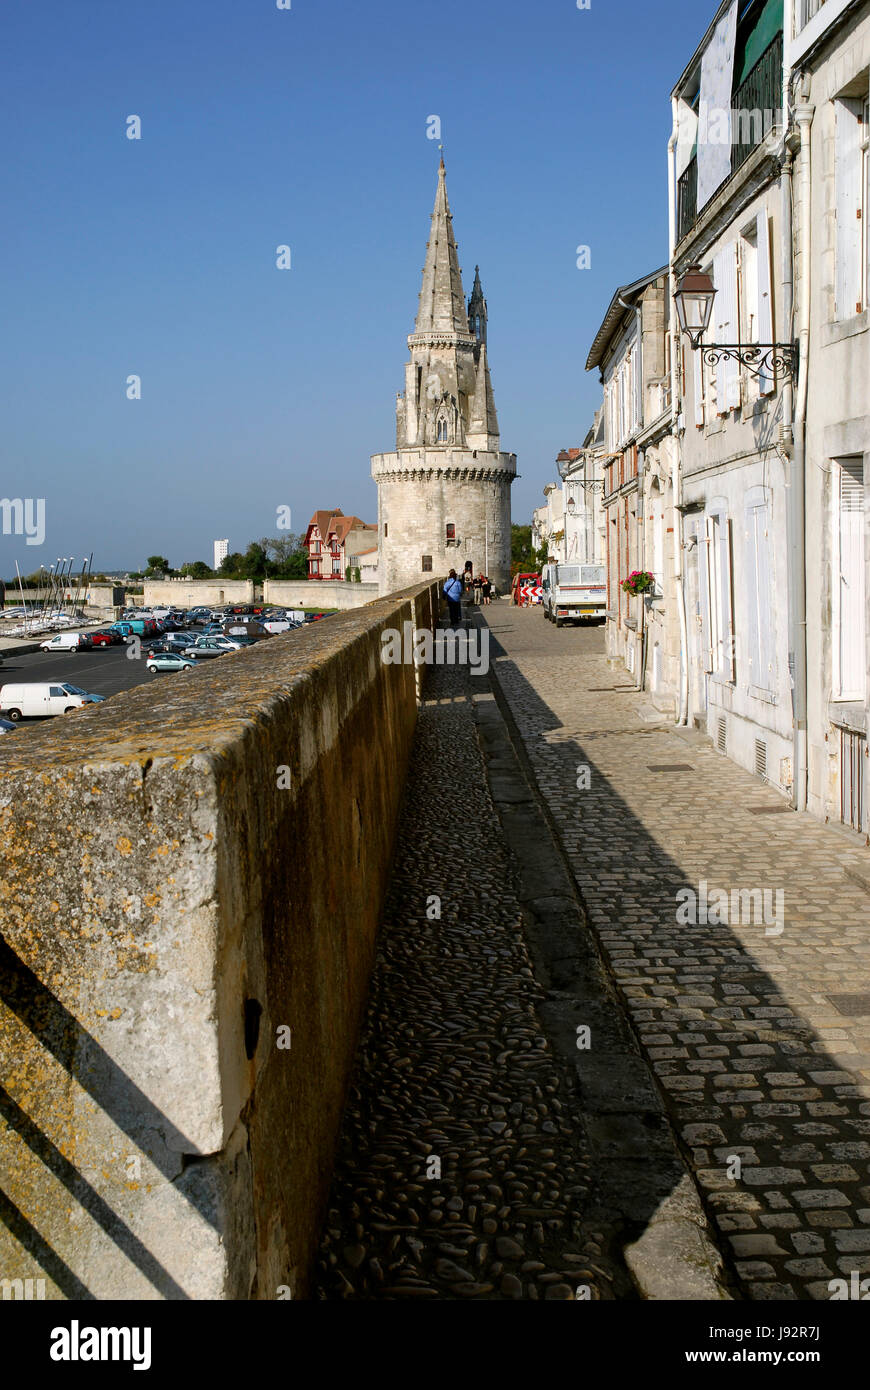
(264,388)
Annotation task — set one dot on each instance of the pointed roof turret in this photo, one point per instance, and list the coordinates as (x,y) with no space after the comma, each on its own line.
(442,298)
(477,308)
(483,417)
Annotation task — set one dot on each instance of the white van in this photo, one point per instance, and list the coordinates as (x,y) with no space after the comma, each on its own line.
(574,593)
(66,642)
(35,700)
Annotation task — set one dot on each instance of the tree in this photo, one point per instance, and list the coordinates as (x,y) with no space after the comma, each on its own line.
(197,569)
(232,565)
(157,564)
(523,557)
(288,556)
(256,561)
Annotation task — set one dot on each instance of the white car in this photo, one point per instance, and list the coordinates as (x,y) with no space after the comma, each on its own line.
(34,699)
(66,642)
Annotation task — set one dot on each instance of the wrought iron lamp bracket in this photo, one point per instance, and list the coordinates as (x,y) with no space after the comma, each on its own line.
(760,359)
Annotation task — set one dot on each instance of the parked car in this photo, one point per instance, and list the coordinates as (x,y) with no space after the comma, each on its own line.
(66,642)
(7,726)
(203,646)
(169,661)
(313,617)
(177,641)
(105,639)
(36,699)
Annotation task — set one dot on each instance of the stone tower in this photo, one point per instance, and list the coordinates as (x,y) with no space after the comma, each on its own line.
(444,494)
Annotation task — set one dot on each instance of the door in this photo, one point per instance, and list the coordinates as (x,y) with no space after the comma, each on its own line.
(55,702)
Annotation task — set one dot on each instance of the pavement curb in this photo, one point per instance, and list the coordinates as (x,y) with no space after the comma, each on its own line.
(646,1189)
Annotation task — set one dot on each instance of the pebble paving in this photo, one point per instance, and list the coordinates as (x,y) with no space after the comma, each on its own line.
(760,1042)
(462,1171)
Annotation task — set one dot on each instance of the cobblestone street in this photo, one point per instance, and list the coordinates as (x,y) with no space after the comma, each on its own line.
(716,1050)
(462,1172)
(760,1043)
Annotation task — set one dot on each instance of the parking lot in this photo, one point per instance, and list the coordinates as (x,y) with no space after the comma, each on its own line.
(100,671)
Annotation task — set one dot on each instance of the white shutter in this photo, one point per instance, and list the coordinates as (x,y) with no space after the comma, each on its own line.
(726,667)
(751,551)
(727,329)
(707,597)
(698,366)
(848,190)
(765,675)
(851,581)
(764,308)
(720,312)
(731,327)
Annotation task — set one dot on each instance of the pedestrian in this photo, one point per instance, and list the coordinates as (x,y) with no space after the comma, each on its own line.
(478,585)
(486,587)
(453,595)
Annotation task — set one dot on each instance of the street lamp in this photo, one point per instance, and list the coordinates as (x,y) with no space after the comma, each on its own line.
(694,300)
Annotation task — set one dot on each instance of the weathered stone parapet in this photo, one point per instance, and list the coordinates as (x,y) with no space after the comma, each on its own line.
(189,869)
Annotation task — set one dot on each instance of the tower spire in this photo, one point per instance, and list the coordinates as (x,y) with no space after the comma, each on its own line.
(442,298)
(477,309)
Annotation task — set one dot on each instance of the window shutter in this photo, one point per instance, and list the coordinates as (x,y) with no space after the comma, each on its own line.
(851,581)
(763,676)
(727,666)
(706,596)
(731,328)
(848,191)
(720,312)
(764,307)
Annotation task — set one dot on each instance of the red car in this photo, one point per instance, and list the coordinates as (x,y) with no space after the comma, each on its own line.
(105,639)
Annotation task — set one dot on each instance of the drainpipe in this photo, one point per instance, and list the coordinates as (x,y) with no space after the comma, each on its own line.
(803,114)
(676,481)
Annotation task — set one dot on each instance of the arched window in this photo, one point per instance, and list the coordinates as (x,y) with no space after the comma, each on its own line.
(441,433)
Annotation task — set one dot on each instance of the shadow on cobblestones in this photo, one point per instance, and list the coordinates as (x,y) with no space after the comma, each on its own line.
(725,1013)
(462,1169)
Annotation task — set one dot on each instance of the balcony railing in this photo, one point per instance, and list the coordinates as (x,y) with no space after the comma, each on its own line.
(755,110)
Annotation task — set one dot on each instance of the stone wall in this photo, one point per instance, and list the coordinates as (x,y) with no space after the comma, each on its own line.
(193,874)
(323,593)
(194,593)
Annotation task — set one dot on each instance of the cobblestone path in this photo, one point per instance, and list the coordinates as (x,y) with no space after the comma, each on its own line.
(455,1070)
(761,1043)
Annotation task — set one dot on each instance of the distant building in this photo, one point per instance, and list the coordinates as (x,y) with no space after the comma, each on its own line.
(444,491)
(334,540)
(221,549)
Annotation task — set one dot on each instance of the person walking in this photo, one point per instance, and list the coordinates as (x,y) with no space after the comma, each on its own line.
(477,586)
(486,587)
(453,595)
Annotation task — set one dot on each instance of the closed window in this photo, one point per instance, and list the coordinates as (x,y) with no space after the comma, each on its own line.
(385,530)
(726,327)
(761,655)
(427,564)
(716,603)
(851,141)
(451,531)
(849,615)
